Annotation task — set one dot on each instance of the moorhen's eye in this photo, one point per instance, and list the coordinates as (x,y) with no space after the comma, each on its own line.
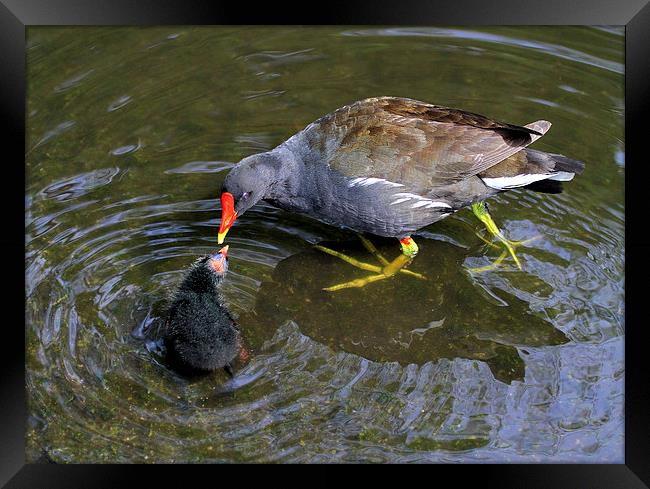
(245,195)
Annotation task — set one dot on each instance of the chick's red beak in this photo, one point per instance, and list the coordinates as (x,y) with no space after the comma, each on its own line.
(228,215)
(224,251)
(219,262)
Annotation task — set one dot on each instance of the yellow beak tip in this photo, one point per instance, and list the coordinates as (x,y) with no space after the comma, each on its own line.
(221,237)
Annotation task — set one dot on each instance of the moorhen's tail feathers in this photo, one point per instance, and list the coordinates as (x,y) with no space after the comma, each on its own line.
(529,167)
(566,168)
(556,162)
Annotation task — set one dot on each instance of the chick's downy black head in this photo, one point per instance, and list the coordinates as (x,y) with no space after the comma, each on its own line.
(200,334)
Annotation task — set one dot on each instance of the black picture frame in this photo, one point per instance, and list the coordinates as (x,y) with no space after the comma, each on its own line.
(16,15)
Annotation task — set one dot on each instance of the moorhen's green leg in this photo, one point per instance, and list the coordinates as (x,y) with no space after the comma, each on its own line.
(348,259)
(372,249)
(409,250)
(481,211)
(375,252)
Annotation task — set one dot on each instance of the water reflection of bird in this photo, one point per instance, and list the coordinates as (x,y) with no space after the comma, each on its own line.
(390,166)
(200,334)
(403,320)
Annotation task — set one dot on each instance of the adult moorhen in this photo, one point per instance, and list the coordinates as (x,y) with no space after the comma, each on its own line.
(389,166)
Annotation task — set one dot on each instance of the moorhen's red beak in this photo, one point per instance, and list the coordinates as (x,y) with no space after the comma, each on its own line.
(228,215)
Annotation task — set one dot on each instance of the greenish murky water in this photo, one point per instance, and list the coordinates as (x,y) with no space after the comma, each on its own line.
(130,134)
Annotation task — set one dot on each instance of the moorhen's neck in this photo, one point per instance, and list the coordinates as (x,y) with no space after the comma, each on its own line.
(266,175)
(288,173)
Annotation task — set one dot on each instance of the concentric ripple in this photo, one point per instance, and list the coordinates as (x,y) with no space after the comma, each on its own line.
(127,150)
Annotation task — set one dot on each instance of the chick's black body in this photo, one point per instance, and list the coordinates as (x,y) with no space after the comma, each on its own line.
(200,333)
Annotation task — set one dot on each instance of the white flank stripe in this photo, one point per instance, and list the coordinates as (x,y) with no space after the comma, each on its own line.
(399,201)
(409,196)
(365,181)
(420,201)
(420,204)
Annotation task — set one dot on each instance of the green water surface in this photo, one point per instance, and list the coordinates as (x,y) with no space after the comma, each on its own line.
(130,133)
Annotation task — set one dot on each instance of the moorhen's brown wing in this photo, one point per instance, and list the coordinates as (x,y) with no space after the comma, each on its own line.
(419,145)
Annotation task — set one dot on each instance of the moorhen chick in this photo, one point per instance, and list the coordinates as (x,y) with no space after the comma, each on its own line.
(390,166)
(200,334)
